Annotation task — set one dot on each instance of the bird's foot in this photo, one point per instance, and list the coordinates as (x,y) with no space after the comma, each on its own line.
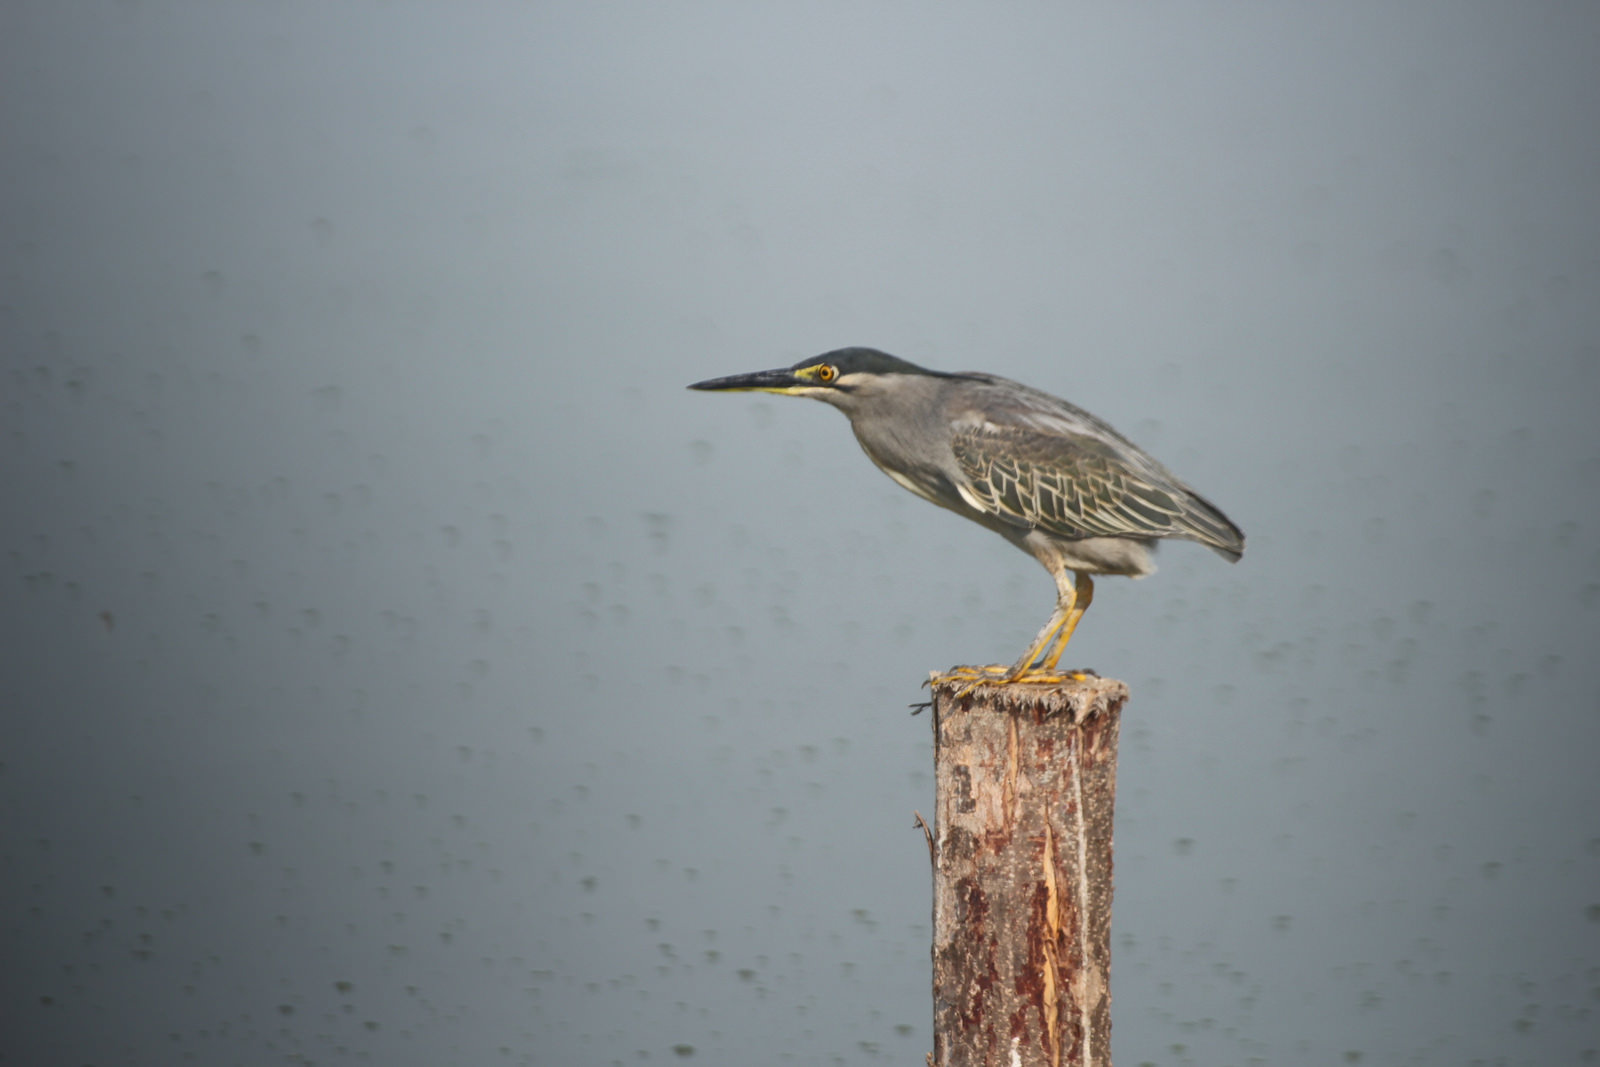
(993,674)
(1001,674)
(966,672)
(1041,676)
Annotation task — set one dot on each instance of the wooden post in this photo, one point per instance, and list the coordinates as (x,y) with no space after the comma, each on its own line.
(1026,782)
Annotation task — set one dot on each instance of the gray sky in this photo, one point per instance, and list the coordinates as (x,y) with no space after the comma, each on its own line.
(402,666)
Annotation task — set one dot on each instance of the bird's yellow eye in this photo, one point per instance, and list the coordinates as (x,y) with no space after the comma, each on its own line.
(827,373)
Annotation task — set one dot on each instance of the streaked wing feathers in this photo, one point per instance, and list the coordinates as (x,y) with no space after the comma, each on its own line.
(1077,486)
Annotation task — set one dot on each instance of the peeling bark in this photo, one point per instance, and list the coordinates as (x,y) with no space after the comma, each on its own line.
(1026,783)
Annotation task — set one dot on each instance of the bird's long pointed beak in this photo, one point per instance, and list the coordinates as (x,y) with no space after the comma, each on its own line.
(764,381)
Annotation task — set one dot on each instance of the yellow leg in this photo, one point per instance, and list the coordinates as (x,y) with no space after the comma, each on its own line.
(1042,643)
(1038,664)
(1082,598)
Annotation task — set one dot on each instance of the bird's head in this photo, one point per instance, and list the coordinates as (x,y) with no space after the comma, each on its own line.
(837,377)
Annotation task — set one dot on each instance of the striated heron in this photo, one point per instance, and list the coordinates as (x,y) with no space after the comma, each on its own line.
(1047,476)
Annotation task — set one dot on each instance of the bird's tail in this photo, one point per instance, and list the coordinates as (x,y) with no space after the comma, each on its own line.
(1204,522)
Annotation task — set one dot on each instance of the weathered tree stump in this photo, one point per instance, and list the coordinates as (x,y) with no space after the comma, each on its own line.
(1026,784)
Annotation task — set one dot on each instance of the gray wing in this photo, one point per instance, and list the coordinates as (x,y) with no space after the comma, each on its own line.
(1078,485)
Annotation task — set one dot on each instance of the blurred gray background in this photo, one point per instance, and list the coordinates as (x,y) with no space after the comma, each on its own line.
(402,667)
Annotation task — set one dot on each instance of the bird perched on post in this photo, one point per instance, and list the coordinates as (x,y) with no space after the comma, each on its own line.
(1047,476)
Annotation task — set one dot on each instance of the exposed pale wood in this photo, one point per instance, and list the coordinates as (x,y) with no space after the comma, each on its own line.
(1026,784)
